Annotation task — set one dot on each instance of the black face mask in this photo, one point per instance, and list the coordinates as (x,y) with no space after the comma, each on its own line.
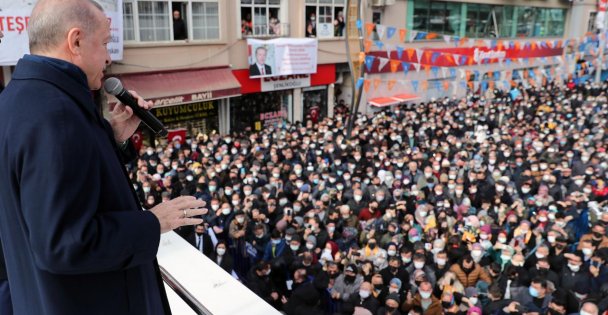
(333,275)
(349,279)
(597,235)
(372,245)
(390,309)
(446,305)
(378,287)
(393,269)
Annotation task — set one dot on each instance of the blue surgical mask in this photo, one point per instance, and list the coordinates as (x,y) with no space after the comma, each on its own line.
(533,292)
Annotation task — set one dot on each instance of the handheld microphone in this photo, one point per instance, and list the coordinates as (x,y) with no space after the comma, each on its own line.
(114,86)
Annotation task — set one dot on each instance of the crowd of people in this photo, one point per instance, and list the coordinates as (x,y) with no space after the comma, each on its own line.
(456,206)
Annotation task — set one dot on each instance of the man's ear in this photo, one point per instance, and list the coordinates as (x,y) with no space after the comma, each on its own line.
(75,41)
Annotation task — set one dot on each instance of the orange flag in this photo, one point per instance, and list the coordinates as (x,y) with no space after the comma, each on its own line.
(513,83)
(425,85)
(491,85)
(525,74)
(446,85)
(463,41)
(532,46)
(366,85)
(427,70)
(467,74)
(391,84)
(402,33)
(517,46)
(431,36)
(369,29)
(471,85)
(395,65)
(449,58)
(410,53)
(361,57)
(368,45)
(377,83)
(499,45)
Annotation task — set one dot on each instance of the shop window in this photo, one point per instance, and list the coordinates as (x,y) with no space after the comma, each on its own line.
(259,110)
(421,16)
(262,18)
(444,18)
(324,18)
(526,17)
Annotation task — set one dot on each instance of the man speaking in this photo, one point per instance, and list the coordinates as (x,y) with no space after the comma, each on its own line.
(74,236)
(259,67)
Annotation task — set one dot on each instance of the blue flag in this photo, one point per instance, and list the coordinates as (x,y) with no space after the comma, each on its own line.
(415,85)
(360,83)
(369,61)
(399,52)
(390,32)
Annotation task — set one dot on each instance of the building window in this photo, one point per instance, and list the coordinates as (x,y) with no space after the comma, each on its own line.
(325,18)
(205,20)
(486,21)
(260,18)
(591,24)
(128,22)
(153,21)
(480,20)
(160,21)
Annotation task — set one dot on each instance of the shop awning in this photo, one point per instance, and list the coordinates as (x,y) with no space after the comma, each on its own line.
(177,87)
(383,101)
(406,97)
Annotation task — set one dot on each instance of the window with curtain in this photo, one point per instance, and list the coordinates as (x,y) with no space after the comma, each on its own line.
(128,21)
(329,18)
(260,17)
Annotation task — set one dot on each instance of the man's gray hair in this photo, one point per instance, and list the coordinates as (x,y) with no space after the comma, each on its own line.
(51,21)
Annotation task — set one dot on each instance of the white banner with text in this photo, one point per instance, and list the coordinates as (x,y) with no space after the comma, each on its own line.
(282,56)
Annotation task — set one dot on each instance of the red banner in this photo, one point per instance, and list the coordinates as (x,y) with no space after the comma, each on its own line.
(602,5)
(177,135)
(458,56)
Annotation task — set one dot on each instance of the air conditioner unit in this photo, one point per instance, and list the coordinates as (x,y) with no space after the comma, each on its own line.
(378,3)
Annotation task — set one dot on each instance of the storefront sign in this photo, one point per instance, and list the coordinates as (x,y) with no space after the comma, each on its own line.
(14,19)
(479,55)
(187,112)
(282,56)
(285,82)
(168,101)
(270,119)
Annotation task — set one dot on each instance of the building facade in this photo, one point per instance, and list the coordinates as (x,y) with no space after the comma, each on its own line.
(195,67)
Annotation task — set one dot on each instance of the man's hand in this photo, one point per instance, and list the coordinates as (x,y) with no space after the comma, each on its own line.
(122,120)
(170,214)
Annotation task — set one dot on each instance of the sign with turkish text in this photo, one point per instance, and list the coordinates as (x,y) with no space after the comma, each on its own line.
(285,82)
(282,56)
(602,5)
(15,18)
(186,112)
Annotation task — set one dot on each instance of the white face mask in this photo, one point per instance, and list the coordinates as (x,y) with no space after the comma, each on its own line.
(574,268)
(551,239)
(473,300)
(425,295)
(364,294)
(221,251)
(441,261)
(418,264)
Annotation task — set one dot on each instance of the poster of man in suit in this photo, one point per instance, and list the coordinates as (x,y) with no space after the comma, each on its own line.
(262,63)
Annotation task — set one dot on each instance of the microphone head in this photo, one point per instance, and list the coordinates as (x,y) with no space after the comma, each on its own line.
(112,86)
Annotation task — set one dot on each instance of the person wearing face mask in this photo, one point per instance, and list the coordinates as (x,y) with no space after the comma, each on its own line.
(275,247)
(537,295)
(574,272)
(395,270)
(347,283)
(419,264)
(589,308)
(363,298)
(201,240)
(469,272)
(425,299)
(597,237)
(223,258)
(542,269)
